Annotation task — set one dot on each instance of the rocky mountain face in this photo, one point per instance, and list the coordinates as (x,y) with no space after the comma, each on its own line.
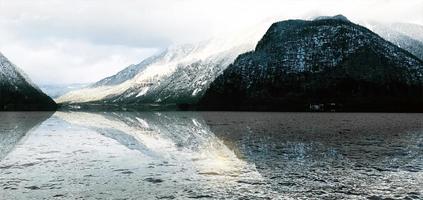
(327,63)
(17,92)
(180,74)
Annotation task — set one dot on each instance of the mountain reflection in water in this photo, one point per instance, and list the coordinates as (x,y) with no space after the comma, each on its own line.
(14,126)
(180,137)
(215,155)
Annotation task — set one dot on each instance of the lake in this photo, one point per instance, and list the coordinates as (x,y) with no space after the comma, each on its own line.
(210,155)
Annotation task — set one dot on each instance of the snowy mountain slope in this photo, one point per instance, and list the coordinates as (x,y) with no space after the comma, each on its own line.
(139,76)
(185,84)
(406,36)
(17,92)
(412,30)
(180,73)
(131,71)
(11,74)
(324,61)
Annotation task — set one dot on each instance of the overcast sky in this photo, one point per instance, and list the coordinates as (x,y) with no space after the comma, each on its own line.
(79,41)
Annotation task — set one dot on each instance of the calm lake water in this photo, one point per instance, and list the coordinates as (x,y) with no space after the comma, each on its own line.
(210,155)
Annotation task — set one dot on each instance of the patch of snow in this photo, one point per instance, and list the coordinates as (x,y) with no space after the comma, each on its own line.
(196,91)
(143,91)
(143,122)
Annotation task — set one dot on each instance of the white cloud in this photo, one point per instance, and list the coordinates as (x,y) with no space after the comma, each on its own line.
(72,61)
(63,41)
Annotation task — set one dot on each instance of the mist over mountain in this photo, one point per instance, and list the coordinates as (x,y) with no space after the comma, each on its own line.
(406,36)
(57,90)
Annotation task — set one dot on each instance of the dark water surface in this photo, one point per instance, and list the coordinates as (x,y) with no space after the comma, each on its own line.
(210,155)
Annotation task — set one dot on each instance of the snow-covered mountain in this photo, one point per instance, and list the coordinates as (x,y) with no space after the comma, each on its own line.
(17,92)
(182,73)
(328,61)
(406,36)
(179,74)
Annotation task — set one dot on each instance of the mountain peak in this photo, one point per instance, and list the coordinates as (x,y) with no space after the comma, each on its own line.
(337,17)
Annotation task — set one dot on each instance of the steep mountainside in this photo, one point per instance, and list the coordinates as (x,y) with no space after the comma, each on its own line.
(180,74)
(17,92)
(127,73)
(320,64)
